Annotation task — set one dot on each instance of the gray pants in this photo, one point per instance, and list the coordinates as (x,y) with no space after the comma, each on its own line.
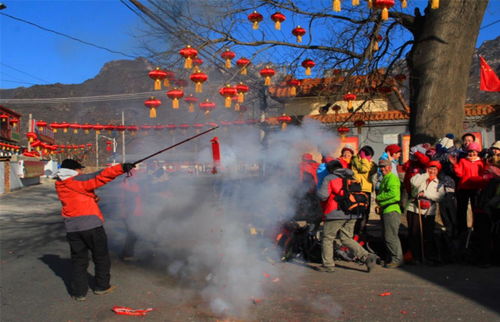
(344,229)
(391,222)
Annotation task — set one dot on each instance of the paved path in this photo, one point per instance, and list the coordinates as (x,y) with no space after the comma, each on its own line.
(35,267)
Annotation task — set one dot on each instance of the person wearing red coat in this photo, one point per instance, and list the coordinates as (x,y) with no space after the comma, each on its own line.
(83,221)
(468,171)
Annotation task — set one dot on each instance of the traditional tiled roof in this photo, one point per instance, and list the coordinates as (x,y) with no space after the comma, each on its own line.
(470,110)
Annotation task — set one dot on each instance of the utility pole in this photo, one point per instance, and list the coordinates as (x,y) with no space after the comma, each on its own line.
(30,119)
(96,150)
(123,138)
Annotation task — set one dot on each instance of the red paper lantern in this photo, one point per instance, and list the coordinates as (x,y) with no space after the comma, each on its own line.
(241,89)
(191,100)
(228,55)
(342,130)
(267,73)
(109,146)
(278,18)
(4,117)
(98,128)
(349,97)
(359,124)
(197,62)
(55,126)
(255,18)
(75,127)
(64,126)
(298,32)
(243,64)
(14,122)
(207,106)
(308,64)
(189,54)
(31,136)
(384,5)
(152,103)
(132,129)
(198,78)
(175,95)
(293,83)
(284,119)
(86,128)
(228,92)
(41,125)
(157,75)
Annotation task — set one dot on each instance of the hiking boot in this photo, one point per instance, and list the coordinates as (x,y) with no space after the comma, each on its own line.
(79,298)
(106,291)
(393,265)
(370,262)
(326,269)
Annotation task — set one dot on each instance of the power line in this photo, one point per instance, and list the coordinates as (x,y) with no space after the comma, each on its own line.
(81,99)
(68,36)
(490,24)
(23,72)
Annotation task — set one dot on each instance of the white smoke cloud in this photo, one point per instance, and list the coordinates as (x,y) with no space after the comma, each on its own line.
(202,222)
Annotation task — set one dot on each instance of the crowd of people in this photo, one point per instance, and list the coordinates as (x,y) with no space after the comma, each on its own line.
(449,192)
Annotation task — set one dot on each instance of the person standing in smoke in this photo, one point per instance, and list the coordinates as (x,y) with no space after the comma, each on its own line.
(83,221)
(336,221)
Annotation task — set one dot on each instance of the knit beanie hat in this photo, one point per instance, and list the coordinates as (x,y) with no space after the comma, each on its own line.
(474,146)
(393,148)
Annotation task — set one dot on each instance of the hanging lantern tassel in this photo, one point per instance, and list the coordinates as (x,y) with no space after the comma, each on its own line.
(244,70)
(277,25)
(404,4)
(299,38)
(65,130)
(375,45)
(308,71)
(336,5)
(188,63)
(157,84)
(237,107)
(355,2)
(166,82)
(152,113)
(227,102)
(349,105)
(293,91)
(215,154)
(228,63)
(175,103)
(434,4)
(191,107)
(207,114)
(198,87)
(241,97)
(370,4)
(385,13)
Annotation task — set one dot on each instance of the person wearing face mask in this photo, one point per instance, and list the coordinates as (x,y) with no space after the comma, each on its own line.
(467,170)
(425,195)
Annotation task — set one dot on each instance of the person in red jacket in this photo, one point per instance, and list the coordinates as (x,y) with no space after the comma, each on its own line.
(345,156)
(467,170)
(83,221)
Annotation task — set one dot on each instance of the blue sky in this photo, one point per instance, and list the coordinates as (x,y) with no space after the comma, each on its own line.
(31,56)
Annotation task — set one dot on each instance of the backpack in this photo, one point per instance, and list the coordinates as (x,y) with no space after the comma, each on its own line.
(354,202)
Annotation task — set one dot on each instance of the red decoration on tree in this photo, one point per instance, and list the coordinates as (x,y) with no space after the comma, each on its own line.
(4,117)
(308,64)
(298,32)
(243,64)
(359,124)
(14,122)
(152,103)
(255,18)
(349,97)
(197,62)
(198,78)
(342,130)
(228,55)
(228,92)
(31,136)
(284,119)
(64,126)
(191,100)
(376,42)
(189,54)
(175,95)
(384,5)
(293,83)
(207,106)
(86,128)
(278,18)
(98,128)
(241,89)
(157,75)
(267,73)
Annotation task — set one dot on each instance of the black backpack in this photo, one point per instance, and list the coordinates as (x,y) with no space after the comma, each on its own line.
(354,201)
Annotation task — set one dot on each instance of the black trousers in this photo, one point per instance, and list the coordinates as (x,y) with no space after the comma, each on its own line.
(463,197)
(428,224)
(360,227)
(80,243)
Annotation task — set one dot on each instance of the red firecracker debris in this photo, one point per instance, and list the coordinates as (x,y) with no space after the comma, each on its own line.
(123,310)
(385,294)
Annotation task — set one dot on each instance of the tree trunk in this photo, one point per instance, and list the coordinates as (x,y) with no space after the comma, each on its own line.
(439,64)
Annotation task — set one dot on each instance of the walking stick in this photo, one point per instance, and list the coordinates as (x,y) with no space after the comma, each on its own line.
(173,146)
(421,230)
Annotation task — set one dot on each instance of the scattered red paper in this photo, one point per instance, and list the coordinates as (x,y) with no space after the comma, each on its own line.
(256,300)
(404,312)
(385,294)
(123,310)
(266,275)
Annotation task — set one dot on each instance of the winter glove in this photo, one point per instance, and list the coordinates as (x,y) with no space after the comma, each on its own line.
(127,167)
